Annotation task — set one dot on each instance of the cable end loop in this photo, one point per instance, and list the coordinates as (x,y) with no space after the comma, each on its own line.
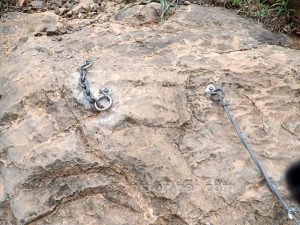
(216,94)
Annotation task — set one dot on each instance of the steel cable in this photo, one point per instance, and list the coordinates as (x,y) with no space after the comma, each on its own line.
(217,95)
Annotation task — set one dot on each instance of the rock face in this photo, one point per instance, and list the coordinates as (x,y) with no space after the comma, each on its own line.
(164,153)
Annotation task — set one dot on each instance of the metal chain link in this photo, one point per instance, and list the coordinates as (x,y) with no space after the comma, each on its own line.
(104,93)
(218,95)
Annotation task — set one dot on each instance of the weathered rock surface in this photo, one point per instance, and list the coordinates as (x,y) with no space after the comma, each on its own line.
(164,153)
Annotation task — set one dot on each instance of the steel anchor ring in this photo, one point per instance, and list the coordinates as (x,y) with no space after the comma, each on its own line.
(108,98)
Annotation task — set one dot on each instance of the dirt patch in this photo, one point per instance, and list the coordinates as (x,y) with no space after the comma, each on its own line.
(7,6)
(296,42)
(64,8)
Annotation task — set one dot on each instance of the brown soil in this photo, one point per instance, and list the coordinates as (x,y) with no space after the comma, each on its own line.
(296,42)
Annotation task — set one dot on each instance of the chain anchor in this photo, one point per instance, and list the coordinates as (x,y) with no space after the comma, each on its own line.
(104,94)
(103,101)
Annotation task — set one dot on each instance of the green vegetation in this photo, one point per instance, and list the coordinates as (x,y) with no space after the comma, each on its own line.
(281,7)
(165,6)
(274,14)
(235,2)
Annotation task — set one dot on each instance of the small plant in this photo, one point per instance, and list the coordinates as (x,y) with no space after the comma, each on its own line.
(236,2)
(260,14)
(262,10)
(165,6)
(282,8)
